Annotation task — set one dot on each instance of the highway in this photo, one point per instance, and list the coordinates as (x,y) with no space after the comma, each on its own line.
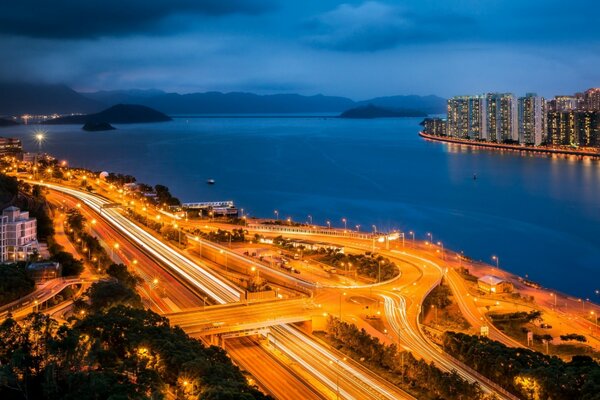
(248,353)
(344,377)
(238,317)
(31,302)
(204,279)
(223,292)
(402,305)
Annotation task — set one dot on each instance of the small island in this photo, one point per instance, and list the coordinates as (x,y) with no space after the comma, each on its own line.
(97,126)
(371,111)
(118,114)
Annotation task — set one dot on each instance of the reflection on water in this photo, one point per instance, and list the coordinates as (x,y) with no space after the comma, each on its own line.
(539,213)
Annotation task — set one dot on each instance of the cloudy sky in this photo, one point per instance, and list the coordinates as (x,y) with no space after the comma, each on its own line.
(357,49)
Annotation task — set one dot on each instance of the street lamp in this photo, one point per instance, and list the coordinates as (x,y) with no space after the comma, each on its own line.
(341,294)
(345,221)
(413,236)
(442,246)
(374,228)
(430,237)
(497,259)
(357,228)
(276,215)
(435,309)
(554,295)
(310,219)
(112,250)
(328,224)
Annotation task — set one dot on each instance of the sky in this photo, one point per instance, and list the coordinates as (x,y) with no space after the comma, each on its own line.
(357,49)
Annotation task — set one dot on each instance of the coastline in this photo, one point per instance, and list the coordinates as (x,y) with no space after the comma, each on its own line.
(501,146)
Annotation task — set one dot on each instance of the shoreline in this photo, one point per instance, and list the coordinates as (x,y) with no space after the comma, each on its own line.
(512,147)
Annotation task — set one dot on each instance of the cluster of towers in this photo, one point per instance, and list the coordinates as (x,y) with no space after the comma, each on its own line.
(530,120)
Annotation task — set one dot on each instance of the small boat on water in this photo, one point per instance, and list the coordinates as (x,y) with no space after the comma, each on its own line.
(210,181)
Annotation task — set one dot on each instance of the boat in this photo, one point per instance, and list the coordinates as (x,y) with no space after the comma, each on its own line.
(210,181)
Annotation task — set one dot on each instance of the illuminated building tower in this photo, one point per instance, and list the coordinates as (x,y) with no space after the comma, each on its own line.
(466,117)
(501,118)
(532,119)
(592,99)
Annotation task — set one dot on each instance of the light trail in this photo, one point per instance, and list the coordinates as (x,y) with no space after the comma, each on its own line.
(224,292)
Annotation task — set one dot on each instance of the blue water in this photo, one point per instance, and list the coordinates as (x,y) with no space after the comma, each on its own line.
(540,215)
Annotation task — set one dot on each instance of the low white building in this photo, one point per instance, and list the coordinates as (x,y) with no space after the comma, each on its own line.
(18,235)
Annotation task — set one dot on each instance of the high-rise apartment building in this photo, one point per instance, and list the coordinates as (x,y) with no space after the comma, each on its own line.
(574,128)
(592,99)
(18,234)
(566,103)
(532,119)
(501,118)
(466,117)
(434,126)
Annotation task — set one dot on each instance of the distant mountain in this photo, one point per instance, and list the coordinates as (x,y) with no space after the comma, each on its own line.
(371,111)
(430,104)
(40,99)
(7,122)
(43,99)
(119,114)
(249,103)
(245,103)
(131,96)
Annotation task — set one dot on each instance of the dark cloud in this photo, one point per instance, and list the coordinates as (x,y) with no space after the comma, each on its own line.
(373,26)
(96,18)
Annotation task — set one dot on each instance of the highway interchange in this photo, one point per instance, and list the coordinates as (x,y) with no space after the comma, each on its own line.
(188,281)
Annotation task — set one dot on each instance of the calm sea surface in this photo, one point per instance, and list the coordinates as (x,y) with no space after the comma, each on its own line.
(540,215)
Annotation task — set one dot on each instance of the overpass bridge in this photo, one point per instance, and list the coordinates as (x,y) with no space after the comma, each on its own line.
(242,319)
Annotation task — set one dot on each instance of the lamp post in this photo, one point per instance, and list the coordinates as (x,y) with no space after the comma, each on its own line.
(344,220)
(328,224)
(341,294)
(497,259)
(374,228)
(413,236)
(112,250)
(430,236)
(276,215)
(310,219)
(443,253)
(357,228)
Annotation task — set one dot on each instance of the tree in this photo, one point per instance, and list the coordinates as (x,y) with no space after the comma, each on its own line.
(106,294)
(120,273)
(14,282)
(70,265)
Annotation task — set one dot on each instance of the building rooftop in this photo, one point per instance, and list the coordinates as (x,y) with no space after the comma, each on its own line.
(43,265)
(491,280)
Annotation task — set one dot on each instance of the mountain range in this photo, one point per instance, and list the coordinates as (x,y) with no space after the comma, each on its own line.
(21,98)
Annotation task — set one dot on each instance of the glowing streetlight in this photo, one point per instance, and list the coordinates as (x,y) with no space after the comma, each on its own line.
(112,250)
(497,259)
(344,220)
